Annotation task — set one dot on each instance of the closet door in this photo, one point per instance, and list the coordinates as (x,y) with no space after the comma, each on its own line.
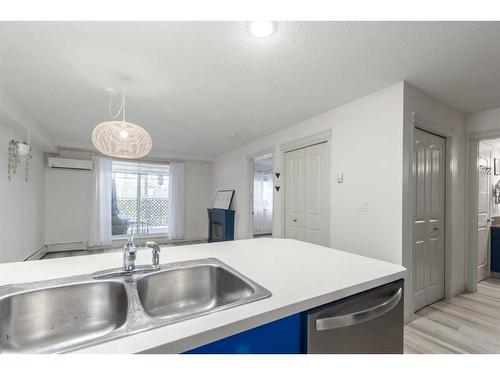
(295,194)
(307,189)
(428,218)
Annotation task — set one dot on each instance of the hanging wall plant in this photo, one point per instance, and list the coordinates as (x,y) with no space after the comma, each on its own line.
(13,158)
(19,152)
(27,164)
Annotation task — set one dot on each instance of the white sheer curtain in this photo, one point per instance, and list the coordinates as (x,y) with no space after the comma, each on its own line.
(263,202)
(176,201)
(100,220)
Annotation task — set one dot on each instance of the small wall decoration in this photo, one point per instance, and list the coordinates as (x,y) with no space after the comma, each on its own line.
(19,152)
(277,174)
(223,199)
(484,169)
(496,165)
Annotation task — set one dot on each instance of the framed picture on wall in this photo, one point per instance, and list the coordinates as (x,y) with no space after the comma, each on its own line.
(223,199)
(496,165)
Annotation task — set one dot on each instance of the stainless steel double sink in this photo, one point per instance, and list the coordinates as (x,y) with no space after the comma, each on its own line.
(62,315)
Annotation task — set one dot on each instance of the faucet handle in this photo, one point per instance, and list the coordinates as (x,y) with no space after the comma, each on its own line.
(156,252)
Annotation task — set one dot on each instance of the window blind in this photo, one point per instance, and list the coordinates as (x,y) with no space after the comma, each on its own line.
(141,167)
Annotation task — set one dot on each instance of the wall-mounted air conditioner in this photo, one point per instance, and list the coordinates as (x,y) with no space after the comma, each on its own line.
(60,163)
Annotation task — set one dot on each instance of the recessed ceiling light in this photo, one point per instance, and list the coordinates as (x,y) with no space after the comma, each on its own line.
(261,29)
(232,135)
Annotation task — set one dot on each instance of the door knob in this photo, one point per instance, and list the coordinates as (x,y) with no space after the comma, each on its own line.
(295,220)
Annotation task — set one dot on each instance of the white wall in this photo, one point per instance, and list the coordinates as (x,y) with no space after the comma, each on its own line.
(485,121)
(22,205)
(68,201)
(372,145)
(494,208)
(442,120)
(67,205)
(198,197)
(367,147)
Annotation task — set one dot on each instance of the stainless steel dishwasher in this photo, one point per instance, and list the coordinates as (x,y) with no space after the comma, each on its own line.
(370,322)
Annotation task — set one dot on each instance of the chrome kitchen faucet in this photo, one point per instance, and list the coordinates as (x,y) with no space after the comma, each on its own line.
(129,254)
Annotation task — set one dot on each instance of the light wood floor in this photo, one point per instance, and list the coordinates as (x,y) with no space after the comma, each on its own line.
(468,323)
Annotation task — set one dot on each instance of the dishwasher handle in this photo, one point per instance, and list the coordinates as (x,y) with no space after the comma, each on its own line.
(359,317)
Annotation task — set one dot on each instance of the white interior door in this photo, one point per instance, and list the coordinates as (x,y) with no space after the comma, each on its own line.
(307,186)
(483,214)
(428,217)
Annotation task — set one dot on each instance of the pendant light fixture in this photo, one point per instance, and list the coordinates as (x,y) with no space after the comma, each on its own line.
(119,138)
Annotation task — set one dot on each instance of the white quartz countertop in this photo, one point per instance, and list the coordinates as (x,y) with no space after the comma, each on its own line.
(299,275)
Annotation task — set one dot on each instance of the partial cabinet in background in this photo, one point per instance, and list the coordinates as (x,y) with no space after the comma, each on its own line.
(429,158)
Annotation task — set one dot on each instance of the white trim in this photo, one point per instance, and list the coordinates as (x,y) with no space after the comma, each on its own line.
(306,141)
(456,292)
(496,275)
(484,135)
(117,243)
(39,254)
(250,160)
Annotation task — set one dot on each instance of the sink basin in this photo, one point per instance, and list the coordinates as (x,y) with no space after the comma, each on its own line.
(46,320)
(62,315)
(195,290)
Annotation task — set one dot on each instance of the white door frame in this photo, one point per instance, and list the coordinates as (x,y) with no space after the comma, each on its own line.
(472,153)
(250,159)
(311,140)
(408,183)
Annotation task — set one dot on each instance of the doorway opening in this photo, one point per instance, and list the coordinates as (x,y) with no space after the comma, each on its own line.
(483,213)
(262,196)
(488,209)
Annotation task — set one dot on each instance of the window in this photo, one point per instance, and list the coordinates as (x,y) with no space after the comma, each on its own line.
(140,199)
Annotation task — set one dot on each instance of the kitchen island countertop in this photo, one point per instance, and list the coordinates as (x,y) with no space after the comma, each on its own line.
(299,275)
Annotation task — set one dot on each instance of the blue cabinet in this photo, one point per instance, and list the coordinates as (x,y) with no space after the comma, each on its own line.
(283,336)
(220,225)
(495,249)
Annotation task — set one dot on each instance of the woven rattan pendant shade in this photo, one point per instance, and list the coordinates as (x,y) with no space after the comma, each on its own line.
(121,139)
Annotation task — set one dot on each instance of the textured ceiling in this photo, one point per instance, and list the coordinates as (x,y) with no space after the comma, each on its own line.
(192,84)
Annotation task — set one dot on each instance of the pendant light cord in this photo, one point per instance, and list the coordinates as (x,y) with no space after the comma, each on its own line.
(122,106)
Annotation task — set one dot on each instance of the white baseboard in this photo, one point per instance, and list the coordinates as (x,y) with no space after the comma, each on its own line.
(458,291)
(66,246)
(140,241)
(409,318)
(38,254)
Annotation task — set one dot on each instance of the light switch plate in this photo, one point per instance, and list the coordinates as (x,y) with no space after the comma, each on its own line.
(363,206)
(340,177)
